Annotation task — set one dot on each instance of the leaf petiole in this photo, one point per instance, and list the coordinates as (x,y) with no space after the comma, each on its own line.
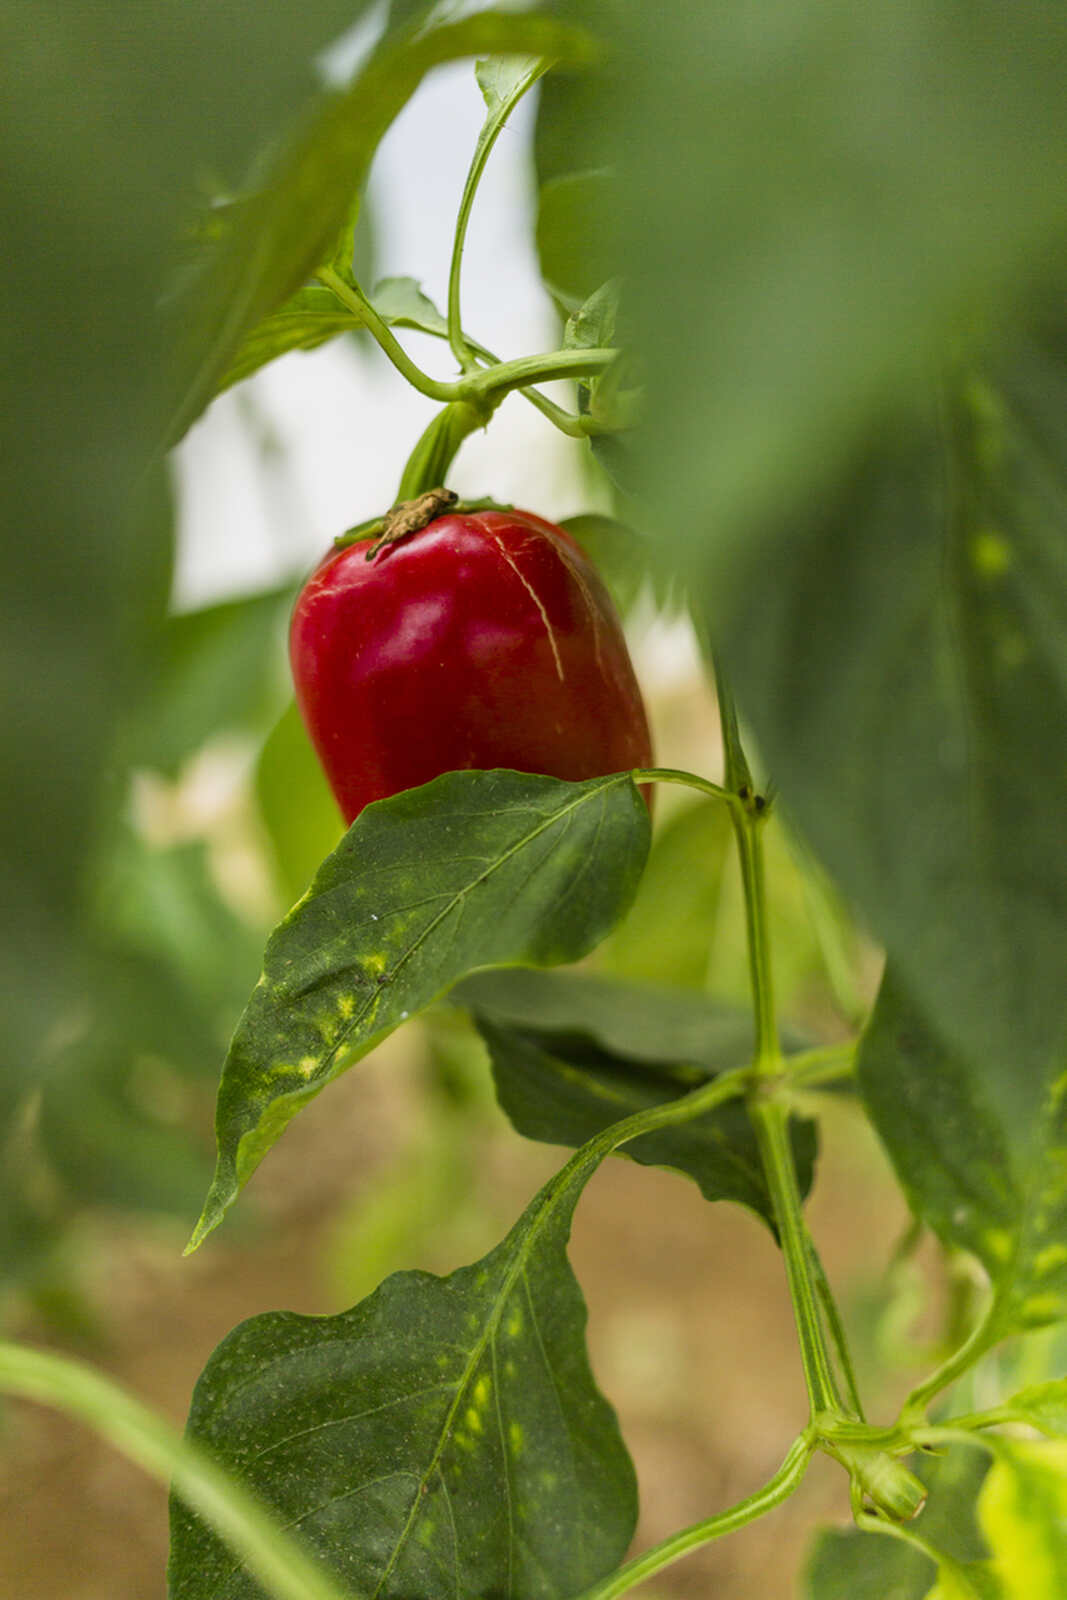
(982,1337)
(774,1491)
(499,111)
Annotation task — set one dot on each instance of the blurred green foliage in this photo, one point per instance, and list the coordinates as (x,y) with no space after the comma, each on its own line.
(842,232)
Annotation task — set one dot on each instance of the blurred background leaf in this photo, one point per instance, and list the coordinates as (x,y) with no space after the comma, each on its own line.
(296,803)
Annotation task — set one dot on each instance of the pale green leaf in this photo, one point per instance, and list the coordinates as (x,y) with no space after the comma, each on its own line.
(1023,1514)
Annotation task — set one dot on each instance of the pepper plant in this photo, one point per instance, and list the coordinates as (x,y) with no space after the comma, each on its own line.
(810,291)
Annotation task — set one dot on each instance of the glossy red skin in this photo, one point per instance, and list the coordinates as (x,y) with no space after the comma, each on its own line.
(485,640)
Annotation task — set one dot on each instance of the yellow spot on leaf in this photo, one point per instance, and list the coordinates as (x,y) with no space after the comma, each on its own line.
(1047,1260)
(991,554)
(1042,1308)
(513,1326)
(308,1066)
(999,1242)
(473,1420)
(515,1438)
(482,1391)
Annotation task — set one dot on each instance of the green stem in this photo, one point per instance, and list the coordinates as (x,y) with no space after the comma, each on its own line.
(428,464)
(568,422)
(748,830)
(983,1336)
(738,775)
(274,1558)
(351,296)
(770,1118)
(690,780)
(836,1329)
(495,382)
(777,1489)
(697,1103)
(771,1124)
(809,1069)
(487,139)
(482,388)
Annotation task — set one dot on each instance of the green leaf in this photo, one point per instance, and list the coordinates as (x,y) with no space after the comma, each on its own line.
(105,1125)
(499,77)
(814,202)
(1023,1514)
(906,672)
(574,1053)
(612,398)
(667,936)
(575,235)
(300,814)
(1041,1405)
(290,226)
(402,303)
(592,325)
(314,315)
(981,1156)
(471,870)
(103,132)
(307,320)
(620,554)
(445,1435)
(973,1582)
(220,667)
(853,1565)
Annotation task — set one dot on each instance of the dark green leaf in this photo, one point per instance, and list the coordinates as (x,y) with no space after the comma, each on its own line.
(981,1156)
(471,870)
(849,1565)
(572,1054)
(906,671)
(300,814)
(444,1436)
(290,227)
(685,1034)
